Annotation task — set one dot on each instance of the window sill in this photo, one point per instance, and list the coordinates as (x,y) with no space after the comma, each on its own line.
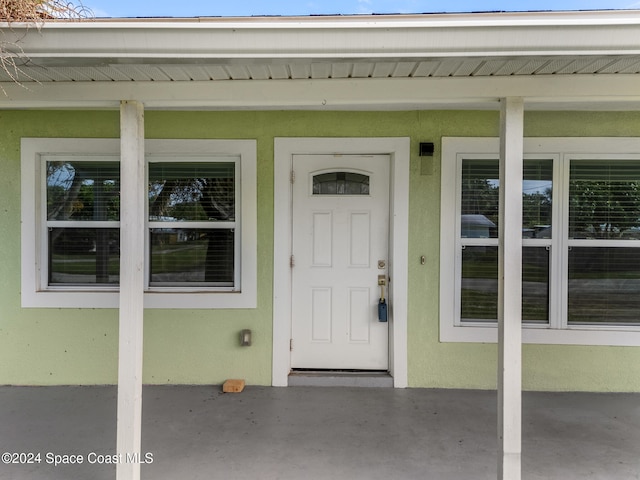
(534,334)
(165,300)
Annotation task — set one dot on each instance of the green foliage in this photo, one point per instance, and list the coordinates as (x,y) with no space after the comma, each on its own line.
(536,209)
(603,209)
(480,197)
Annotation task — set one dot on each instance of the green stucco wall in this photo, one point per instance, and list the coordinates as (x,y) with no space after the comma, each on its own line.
(71,346)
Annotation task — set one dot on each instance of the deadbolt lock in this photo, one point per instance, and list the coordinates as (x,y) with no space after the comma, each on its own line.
(381,264)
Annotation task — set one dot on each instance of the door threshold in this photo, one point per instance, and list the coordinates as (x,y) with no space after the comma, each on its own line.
(340,378)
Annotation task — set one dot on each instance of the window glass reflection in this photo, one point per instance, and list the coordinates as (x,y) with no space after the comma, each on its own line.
(83,191)
(340,183)
(604,199)
(181,256)
(480,284)
(604,285)
(84,256)
(192,191)
(480,198)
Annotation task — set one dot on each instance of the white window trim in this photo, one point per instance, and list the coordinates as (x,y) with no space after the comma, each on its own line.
(37,294)
(557,332)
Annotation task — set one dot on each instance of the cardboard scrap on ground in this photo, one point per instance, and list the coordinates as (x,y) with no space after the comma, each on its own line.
(233,386)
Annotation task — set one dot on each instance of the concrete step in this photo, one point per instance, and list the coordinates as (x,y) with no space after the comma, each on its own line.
(333,378)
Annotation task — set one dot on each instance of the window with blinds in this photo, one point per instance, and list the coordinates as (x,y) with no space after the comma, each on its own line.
(478,227)
(604,199)
(604,247)
(200,223)
(192,223)
(83,213)
(580,240)
(479,199)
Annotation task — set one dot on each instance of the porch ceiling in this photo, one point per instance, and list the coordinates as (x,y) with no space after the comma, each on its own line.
(377,54)
(315,69)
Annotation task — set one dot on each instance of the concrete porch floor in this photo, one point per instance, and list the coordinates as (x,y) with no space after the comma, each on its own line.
(320,433)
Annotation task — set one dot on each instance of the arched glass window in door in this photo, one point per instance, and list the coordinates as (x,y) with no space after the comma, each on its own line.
(340,183)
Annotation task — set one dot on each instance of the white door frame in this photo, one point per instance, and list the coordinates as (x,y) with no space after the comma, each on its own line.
(398,148)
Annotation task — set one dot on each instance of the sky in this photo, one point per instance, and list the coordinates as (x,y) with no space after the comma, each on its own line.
(227,8)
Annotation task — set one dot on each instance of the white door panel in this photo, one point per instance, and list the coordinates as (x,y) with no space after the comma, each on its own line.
(339,236)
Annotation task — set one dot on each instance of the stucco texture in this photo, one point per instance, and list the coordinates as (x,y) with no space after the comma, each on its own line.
(72,346)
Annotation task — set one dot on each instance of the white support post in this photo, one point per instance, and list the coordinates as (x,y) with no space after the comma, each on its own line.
(510,290)
(132,208)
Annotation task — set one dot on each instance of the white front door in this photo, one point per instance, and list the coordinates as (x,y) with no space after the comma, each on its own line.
(340,248)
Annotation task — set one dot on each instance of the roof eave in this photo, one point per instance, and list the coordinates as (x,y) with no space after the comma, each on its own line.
(328,38)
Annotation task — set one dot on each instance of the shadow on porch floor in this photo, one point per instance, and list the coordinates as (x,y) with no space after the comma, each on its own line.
(319,433)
